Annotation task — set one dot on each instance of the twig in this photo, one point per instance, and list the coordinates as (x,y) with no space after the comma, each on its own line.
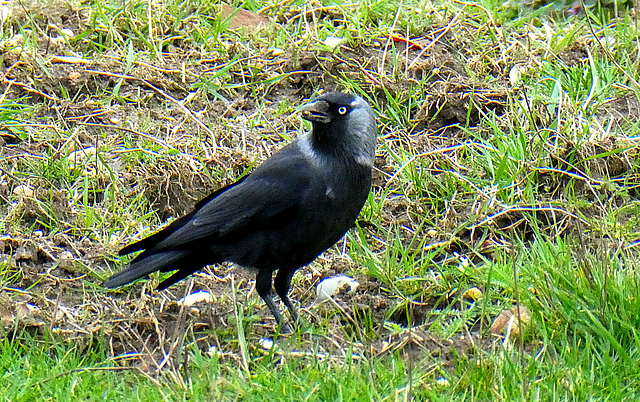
(605,50)
(129,130)
(431,44)
(491,218)
(180,104)
(187,112)
(525,384)
(241,338)
(29,88)
(359,67)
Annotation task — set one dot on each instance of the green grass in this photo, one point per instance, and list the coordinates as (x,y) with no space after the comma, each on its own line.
(33,370)
(522,186)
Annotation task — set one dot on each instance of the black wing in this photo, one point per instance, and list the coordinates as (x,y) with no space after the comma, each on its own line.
(154,239)
(236,210)
(254,203)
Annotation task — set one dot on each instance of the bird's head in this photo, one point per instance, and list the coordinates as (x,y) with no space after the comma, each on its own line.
(342,123)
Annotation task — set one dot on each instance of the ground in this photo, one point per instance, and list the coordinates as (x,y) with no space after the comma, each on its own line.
(505,176)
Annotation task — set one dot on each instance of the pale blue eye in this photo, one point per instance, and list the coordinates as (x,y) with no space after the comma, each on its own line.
(342,110)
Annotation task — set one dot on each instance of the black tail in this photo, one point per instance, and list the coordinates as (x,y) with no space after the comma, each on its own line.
(149,242)
(159,261)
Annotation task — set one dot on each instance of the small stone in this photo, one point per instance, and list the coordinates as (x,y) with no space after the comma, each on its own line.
(26,252)
(332,286)
(23,190)
(472,294)
(332,42)
(196,297)
(507,322)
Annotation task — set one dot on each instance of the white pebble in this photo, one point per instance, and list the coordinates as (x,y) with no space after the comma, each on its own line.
(196,297)
(331,286)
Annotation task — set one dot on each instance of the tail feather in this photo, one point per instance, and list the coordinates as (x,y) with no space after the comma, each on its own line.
(177,276)
(149,242)
(141,267)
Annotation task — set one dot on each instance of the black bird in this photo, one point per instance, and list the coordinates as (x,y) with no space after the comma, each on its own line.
(294,206)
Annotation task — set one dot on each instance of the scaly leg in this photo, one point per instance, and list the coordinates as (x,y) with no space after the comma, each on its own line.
(263,287)
(282,284)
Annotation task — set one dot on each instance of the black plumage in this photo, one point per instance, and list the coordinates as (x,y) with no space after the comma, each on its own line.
(294,206)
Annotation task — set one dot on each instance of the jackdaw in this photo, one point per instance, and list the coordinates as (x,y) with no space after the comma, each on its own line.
(291,208)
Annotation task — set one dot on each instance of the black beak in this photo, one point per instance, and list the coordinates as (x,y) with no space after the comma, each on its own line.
(317,111)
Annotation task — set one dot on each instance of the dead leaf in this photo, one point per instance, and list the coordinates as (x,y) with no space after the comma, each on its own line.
(507,322)
(68,60)
(242,18)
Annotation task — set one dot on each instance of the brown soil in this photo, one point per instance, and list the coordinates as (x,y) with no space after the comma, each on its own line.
(53,275)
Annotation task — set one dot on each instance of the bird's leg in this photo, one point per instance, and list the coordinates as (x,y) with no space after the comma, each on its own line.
(263,287)
(282,284)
